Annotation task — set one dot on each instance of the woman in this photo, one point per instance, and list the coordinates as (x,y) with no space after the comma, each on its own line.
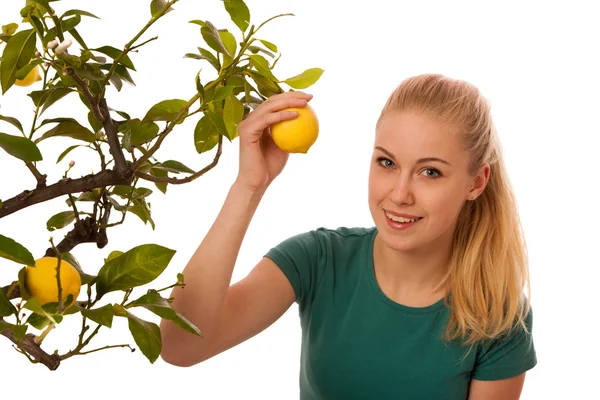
(427,304)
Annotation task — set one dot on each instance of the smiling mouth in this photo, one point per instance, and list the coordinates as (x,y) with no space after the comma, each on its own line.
(401,220)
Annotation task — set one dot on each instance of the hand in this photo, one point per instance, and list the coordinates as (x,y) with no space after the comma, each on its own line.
(261,161)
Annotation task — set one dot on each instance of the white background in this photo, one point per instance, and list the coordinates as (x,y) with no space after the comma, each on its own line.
(535,61)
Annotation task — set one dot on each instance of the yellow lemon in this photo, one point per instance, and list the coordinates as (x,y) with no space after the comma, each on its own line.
(40,281)
(299,134)
(32,77)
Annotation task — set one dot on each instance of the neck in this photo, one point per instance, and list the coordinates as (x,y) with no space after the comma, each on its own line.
(419,272)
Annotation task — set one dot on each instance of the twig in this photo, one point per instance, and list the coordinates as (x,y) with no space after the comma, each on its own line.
(178,181)
(137,46)
(41,179)
(167,130)
(108,347)
(129,45)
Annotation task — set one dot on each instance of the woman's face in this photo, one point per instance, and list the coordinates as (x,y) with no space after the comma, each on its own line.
(418,168)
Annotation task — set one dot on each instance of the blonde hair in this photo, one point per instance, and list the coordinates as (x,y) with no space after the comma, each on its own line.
(488,269)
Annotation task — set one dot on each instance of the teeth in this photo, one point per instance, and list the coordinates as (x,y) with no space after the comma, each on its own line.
(400,219)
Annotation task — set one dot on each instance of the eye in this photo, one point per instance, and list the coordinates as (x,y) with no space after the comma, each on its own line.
(385,162)
(437,174)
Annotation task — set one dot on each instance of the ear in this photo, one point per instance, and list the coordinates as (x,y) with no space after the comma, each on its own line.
(479,182)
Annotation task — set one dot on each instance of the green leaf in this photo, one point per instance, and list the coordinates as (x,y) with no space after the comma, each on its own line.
(13,121)
(121,71)
(305,79)
(230,44)
(70,129)
(157,6)
(78,12)
(265,86)
(6,307)
(233,112)
(60,220)
(213,38)
(22,287)
(222,93)
(217,120)
(142,210)
(136,267)
(18,330)
(256,49)
(9,29)
(56,121)
(124,192)
(67,151)
(114,53)
(38,321)
(46,98)
(174,166)
(160,306)
(262,66)
(146,335)
(48,310)
(89,71)
(78,38)
(205,135)
(23,72)
(210,57)
(70,258)
(103,315)
(139,131)
(239,13)
(42,5)
(70,23)
(113,254)
(166,110)
(13,251)
(20,147)
(268,45)
(16,55)
(159,173)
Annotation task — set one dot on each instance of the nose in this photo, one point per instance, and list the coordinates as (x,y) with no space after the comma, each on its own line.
(402,192)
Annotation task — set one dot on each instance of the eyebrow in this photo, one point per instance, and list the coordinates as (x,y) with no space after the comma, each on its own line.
(419,161)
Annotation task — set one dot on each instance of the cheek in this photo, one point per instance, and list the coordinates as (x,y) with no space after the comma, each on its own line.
(444,203)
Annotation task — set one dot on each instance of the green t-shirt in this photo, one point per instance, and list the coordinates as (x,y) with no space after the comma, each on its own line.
(359,344)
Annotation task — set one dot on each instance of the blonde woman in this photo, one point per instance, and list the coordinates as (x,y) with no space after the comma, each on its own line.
(427,304)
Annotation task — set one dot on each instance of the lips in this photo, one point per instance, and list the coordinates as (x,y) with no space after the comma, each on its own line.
(396,214)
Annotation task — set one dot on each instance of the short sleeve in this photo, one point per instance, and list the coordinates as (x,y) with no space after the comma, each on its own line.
(508,356)
(301,257)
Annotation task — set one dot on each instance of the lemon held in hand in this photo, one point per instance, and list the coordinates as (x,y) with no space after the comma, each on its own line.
(299,134)
(40,281)
(32,77)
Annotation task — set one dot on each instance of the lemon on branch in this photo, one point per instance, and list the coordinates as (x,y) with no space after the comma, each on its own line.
(41,283)
(299,134)
(32,77)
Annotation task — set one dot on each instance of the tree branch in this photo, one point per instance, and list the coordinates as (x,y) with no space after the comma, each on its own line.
(178,181)
(101,112)
(52,361)
(30,197)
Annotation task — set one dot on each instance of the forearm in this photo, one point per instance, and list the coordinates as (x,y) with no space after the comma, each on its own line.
(208,272)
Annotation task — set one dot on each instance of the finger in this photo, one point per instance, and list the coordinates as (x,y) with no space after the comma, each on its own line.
(254,128)
(300,95)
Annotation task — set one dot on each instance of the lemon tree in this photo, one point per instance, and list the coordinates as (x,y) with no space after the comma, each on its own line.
(47,55)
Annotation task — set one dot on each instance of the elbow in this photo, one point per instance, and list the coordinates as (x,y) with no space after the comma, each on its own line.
(175,359)
(176,350)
